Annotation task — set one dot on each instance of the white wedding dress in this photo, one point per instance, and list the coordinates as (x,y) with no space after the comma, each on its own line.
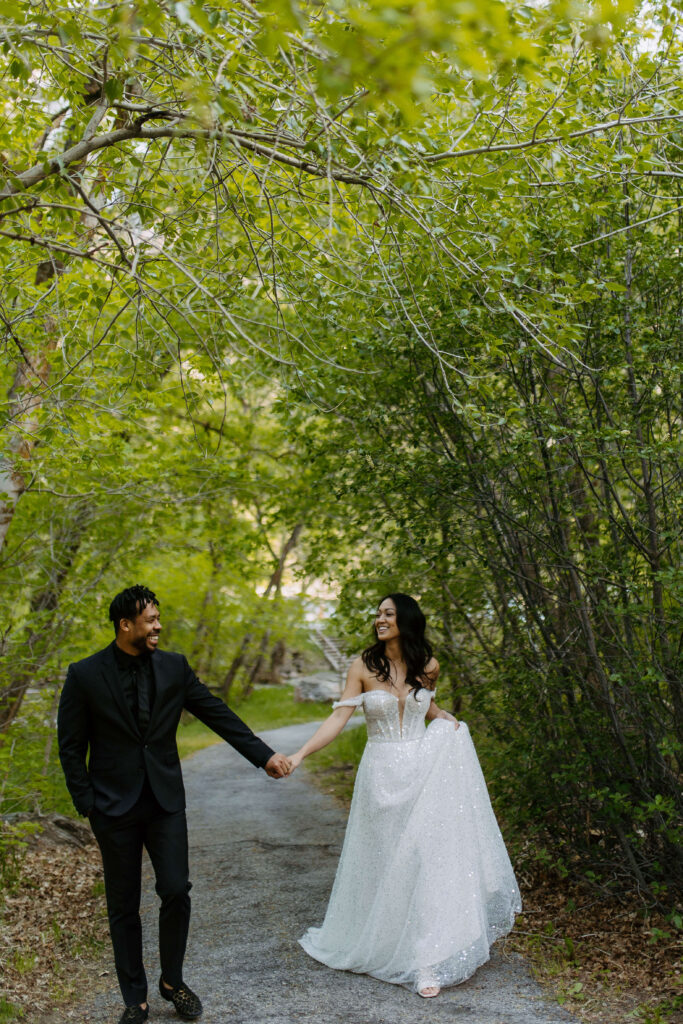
(424,884)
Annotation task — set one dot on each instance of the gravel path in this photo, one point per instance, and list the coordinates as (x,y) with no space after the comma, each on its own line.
(263,856)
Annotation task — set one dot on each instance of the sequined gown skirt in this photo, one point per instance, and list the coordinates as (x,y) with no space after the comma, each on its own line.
(424,884)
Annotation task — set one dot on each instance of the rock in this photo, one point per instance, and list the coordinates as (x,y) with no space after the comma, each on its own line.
(53,829)
(326,686)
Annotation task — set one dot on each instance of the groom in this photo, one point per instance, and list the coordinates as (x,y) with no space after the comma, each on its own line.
(124,704)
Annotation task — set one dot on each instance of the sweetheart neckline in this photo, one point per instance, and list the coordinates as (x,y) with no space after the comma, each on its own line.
(401,701)
(378,689)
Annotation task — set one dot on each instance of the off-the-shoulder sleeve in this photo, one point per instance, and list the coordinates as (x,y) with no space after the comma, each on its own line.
(350,702)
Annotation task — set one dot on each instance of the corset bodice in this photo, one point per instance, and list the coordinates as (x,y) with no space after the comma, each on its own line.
(389,718)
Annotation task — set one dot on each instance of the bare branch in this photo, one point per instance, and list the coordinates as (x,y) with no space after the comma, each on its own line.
(509,147)
(627,227)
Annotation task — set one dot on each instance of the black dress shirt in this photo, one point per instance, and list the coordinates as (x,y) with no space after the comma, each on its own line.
(136,677)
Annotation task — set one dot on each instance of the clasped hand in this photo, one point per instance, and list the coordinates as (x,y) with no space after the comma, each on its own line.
(279,766)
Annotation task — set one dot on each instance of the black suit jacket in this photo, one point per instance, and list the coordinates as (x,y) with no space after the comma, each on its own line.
(93,713)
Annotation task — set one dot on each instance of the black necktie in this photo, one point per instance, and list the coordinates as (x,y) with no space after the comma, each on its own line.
(142,679)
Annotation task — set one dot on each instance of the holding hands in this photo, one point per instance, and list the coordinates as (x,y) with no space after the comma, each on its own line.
(279,766)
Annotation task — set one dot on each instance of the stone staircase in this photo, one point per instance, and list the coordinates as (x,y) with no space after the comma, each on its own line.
(332,652)
(325,685)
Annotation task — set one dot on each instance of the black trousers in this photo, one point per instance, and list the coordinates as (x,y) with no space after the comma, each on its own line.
(121,840)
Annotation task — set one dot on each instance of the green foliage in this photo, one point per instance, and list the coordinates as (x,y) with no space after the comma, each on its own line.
(513,462)
(379,295)
(30,780)
(12,845)
(9,1011)
(662,1013)
(30,774)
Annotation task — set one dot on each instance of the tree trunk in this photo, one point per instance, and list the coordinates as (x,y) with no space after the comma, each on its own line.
(257,668)
(40,642)
(235,666)
(276,579)
(277,660)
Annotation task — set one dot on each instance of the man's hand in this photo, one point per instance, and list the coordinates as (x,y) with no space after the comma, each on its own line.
(278,766)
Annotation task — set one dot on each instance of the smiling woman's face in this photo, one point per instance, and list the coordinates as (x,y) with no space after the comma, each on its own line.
(386,626)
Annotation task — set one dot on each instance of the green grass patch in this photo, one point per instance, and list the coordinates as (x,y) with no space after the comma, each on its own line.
(267,707)
(660,1013)
(9,1011)
(334,767)
(194,736)
(23,961)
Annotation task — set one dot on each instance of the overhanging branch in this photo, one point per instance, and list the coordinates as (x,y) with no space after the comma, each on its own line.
(511,147)
(75,154)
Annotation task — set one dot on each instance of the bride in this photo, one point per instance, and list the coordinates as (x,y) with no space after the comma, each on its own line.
(424,884)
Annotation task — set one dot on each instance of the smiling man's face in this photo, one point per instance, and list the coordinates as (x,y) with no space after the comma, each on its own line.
(140,634)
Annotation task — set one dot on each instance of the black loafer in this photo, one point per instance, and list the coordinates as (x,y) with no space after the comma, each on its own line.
(188,1005)
(135,1015)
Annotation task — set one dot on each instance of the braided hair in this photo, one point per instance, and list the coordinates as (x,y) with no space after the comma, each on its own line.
(130,602)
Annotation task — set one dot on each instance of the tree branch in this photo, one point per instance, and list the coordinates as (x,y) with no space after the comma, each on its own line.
(39,172)
(509,147)
(627,227)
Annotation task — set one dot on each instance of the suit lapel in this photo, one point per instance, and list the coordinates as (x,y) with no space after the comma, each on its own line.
(111,678)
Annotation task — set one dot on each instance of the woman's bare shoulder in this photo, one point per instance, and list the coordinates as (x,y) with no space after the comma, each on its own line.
(357,669)
(360,672)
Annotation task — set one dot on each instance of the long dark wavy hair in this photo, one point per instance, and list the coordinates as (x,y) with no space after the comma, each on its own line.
(417,651)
